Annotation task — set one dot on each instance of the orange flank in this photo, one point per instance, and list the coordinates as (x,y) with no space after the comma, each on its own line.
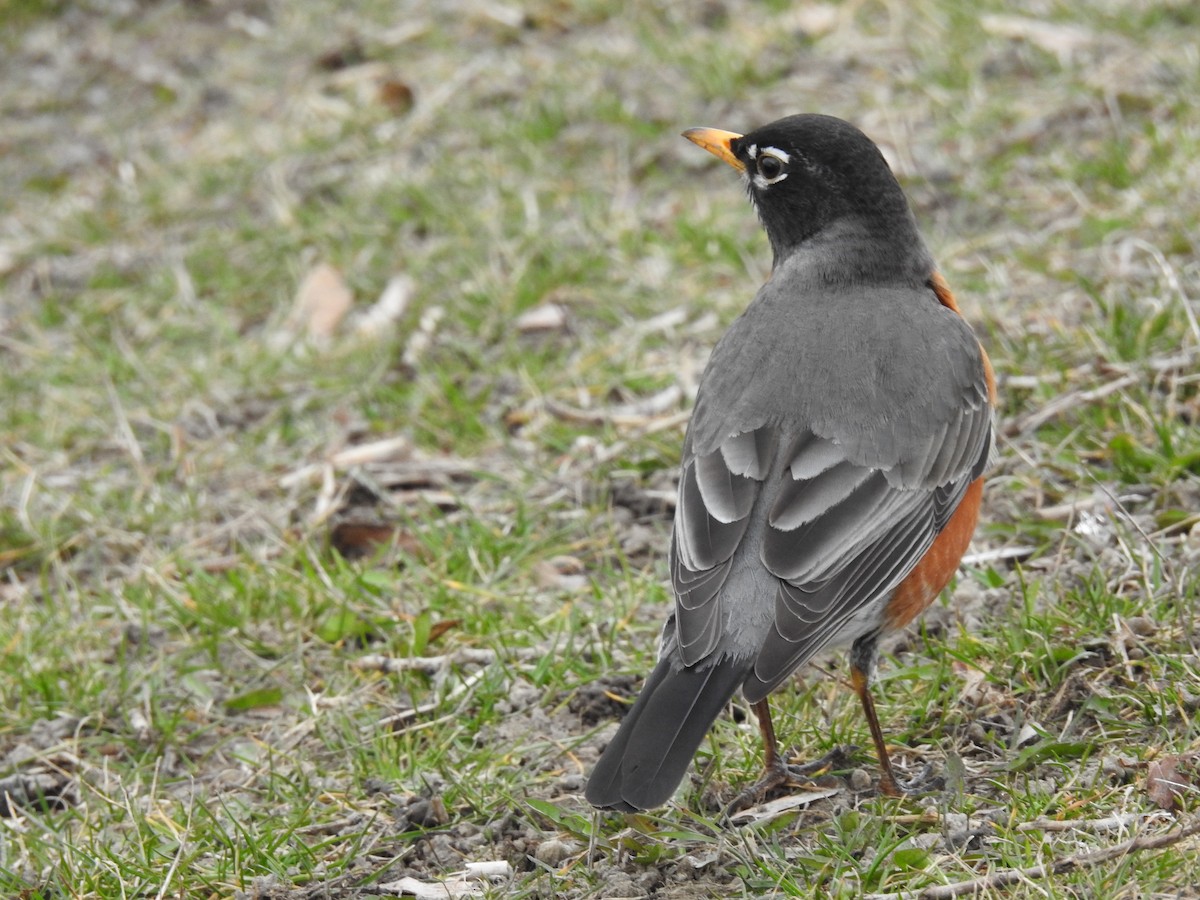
(914,594)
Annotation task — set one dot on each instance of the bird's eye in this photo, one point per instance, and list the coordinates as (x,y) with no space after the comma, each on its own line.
(770,168)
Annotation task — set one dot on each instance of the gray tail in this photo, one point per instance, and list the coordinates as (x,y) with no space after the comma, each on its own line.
(644,763)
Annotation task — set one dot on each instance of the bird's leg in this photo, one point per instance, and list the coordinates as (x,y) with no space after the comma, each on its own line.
(862,687)
(771,758)
(776,772)
(888,785)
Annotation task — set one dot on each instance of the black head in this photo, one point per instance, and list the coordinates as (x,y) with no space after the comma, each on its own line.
(807,173)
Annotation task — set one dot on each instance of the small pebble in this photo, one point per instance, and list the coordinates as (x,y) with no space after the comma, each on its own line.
(925,841)
(554,852)
(976,734)
(1047,786)
(1142,625)
(859,780)
(957,829)
(618,884)
(471,842)
(547,317)
(954,821)
(1111,766)
(428,813)
(443,852)
(572,783)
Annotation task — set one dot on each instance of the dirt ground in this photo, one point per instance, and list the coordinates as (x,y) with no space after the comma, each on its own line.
(212,152)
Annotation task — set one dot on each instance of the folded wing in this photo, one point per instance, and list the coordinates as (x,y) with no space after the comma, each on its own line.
(838,535)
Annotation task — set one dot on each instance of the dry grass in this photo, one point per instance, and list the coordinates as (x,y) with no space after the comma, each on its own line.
(193,672)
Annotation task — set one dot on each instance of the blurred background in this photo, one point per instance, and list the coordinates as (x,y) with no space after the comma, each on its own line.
(337,340)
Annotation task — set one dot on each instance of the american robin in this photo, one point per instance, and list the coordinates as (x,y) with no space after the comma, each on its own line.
(833,468)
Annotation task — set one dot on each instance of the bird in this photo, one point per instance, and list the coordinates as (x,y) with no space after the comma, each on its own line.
(833,467)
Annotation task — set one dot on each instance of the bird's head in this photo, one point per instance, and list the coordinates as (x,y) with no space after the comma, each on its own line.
(808,172)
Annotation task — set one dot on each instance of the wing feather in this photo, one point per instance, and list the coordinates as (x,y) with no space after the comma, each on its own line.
(727,496)
(750,453)
(801,502)
(716,496)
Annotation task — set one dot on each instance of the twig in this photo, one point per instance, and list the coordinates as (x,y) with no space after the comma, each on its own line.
(430,665)
(1068,863)
(127,437)
(1062,404)
(640,412)
(1159,365)
(1128,516)
(999,554)
(434,665)
(356,455)
(1109,823)
(1063,510)
(178,857)
(1180,361)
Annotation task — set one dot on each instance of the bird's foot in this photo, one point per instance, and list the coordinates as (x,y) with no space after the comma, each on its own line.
(924,783)
(778,774)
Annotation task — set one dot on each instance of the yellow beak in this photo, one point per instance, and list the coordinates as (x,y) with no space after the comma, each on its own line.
(717,143)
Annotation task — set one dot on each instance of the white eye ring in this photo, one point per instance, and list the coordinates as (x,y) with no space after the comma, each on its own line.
(769,159)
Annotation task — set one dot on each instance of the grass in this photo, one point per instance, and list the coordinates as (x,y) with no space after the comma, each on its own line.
(186,655)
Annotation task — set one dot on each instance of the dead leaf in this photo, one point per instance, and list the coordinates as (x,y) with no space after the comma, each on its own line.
(437,629)
(322,301)
(489,869)
(1028,734)
(349,54)
(396,95)
(355,540)
(461,884)
(1170,778)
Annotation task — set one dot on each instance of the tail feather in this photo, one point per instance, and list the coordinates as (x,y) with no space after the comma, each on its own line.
(644,763)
